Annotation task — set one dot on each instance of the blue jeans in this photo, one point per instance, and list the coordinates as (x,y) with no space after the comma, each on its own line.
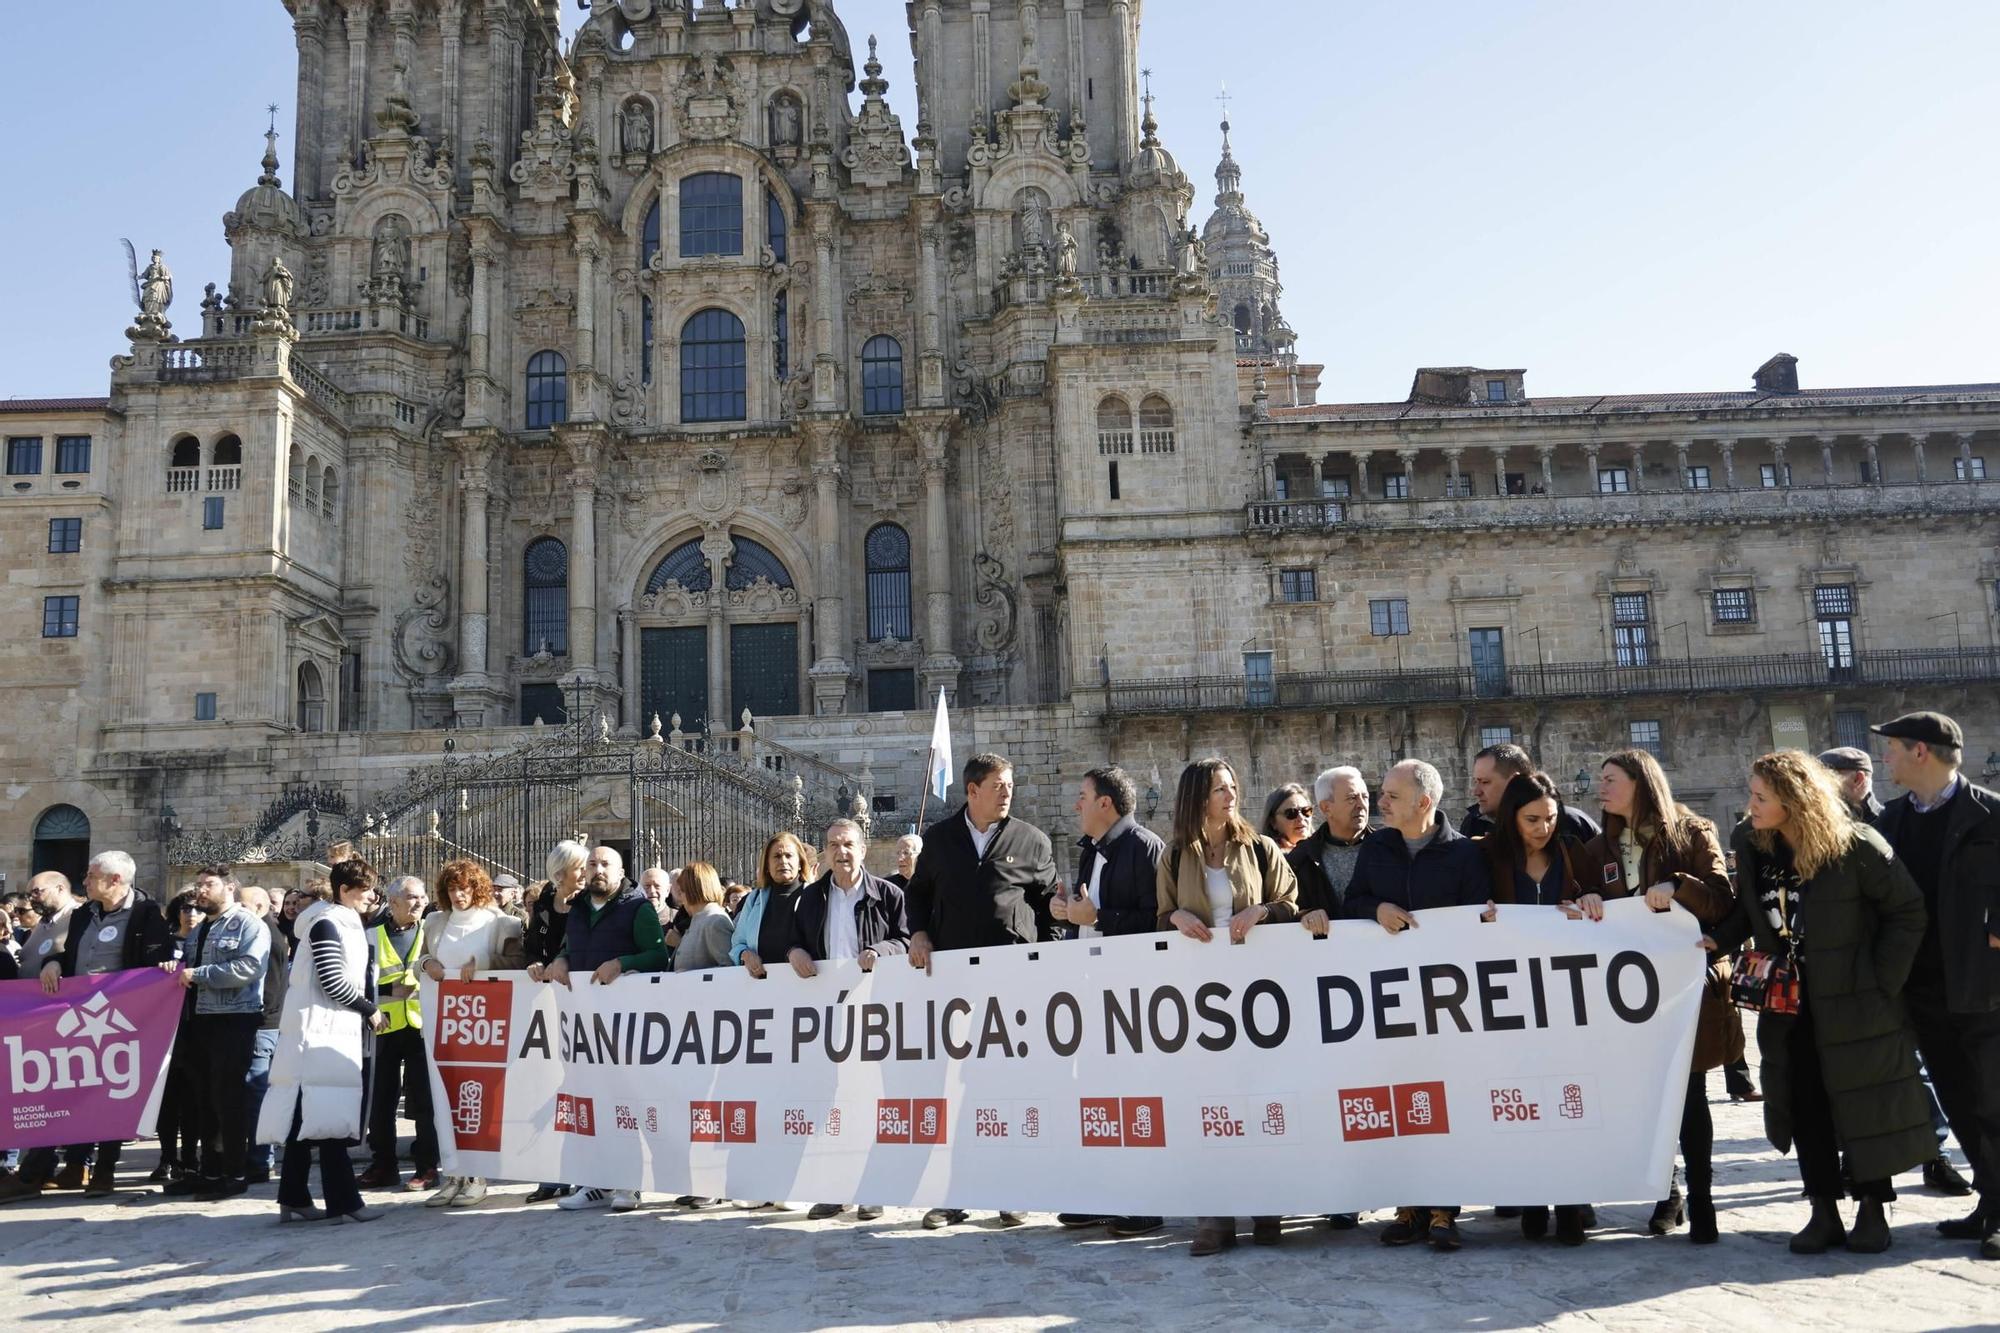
(255,1084)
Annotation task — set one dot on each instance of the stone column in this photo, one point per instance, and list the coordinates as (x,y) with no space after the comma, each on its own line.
(1360,457)
(1778,443)
(830,670)
(1871,446)
(1121,47)
(930,374)
(1681,460)
(1548,457)
(1451,457)
(587,255)
(1638,465)
(1499,470)
(824,399)
(309,148)
(403,33)
(1727,448)
(1917,452)
(474,489)
(357,76)
(1965,455)
(586,453)
(1590,452)
(1408,458)
(451,26)
(940,668)
(1826,456)
(719,550)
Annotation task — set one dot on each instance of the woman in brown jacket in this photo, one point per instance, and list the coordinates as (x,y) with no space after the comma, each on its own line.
(1220,876)
(1654,847)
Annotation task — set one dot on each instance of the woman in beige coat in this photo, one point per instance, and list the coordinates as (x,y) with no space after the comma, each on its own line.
(1220,876)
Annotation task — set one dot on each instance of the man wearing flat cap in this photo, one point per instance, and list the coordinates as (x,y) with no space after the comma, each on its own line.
(1855,772)
(1946,831)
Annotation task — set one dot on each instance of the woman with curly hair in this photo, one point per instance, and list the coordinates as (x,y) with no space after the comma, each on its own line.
(1653,846)
(469,936)
(1826,897)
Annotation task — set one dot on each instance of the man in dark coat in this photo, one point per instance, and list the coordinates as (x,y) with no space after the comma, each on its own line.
(1492,769)
(1416,861)
(1323,863)
(1946,832)
(1854,770)
(983,881)
(847,914)
(1116,893)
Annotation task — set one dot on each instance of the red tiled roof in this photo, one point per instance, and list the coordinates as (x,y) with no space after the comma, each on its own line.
(54,404)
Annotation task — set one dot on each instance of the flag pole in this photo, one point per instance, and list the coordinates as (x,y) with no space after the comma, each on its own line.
(930,764)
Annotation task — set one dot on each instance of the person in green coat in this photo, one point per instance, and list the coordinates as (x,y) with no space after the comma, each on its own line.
(1841,1074)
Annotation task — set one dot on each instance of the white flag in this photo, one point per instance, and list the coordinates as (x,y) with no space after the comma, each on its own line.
(941,751)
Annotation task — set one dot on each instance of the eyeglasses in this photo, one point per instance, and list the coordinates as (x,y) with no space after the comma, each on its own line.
(1297,812)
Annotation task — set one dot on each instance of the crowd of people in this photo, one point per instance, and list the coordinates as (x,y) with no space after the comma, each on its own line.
(1865,936)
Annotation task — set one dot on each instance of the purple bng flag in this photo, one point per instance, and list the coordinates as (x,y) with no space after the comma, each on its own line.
(87,1064)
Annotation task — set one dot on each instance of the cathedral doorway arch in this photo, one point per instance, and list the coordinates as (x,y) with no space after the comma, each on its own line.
(62,842)
(718,629)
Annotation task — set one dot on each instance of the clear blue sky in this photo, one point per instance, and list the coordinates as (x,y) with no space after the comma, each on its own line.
(1617,197)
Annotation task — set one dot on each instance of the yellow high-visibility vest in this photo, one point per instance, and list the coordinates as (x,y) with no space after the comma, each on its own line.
(392,970)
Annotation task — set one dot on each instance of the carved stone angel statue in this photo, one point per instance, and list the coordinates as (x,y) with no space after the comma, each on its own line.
(156,291)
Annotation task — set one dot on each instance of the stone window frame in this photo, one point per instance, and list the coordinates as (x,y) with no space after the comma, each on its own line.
(1656,745)
(1291,578)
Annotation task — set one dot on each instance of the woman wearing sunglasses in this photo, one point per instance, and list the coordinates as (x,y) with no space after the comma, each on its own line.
(1288,816)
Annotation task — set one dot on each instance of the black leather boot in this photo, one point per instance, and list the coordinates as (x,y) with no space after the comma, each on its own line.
(1871,1229)
(1824,1231)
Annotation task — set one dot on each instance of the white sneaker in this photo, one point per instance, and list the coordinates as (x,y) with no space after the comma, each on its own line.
(584,1199)
(624,1201)
(447,1192)
(474,1191)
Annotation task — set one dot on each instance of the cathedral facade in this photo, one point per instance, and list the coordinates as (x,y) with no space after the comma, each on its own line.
(664,378)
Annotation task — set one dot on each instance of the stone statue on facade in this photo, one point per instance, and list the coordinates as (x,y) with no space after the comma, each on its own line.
(786,121)
(156,293)
(276,287)
(637,129)
(1065,253)
(397,112)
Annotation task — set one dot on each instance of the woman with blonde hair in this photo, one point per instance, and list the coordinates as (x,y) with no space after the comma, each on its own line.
(705,942)
(1652,846)
(1825,899)
(764,927)
(467,936)
(1220,876)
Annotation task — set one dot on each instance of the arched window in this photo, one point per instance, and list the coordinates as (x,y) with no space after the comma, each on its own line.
(1156,425)
(713,368)
(888,549)
(295,475)
(312,481)
(329,491)
(685,565)
(1114,426)
(184,465)
(752,561)
(311,699)
(228,452)
(711,214)
(1242,320)
(649,236)
(881,376)
(62,843)
(548,390)
(545,597)
(774,226)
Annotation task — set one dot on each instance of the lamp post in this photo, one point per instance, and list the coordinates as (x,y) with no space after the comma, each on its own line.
(1579,786)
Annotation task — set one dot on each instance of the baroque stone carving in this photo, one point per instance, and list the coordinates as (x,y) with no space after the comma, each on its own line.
(996,628)
(635,128)
(707,96)
(717,489)
(419,644)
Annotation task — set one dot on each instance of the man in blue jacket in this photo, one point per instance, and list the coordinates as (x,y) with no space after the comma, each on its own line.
(1415,862)
(224,971)
(1117,893)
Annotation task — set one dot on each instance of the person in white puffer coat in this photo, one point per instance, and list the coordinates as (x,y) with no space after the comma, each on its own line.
(473,936)
(319,1071)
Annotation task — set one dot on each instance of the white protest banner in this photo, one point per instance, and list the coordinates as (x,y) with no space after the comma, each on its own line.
(1530,1060)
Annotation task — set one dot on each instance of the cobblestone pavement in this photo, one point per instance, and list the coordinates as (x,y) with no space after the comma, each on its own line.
(141,1262)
